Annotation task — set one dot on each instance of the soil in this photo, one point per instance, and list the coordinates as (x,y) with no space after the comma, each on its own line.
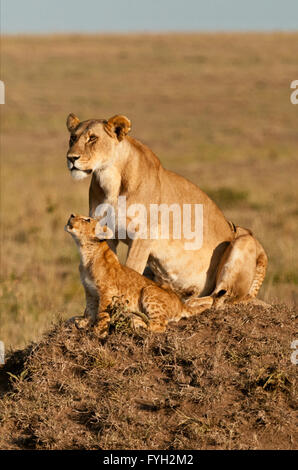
(222,380)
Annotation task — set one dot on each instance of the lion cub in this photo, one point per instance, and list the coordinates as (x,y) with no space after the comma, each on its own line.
(104,277)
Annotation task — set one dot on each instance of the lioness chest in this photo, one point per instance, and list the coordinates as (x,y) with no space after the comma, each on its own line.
(185,274)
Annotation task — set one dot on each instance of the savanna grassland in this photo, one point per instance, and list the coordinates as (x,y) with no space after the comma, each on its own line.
(213,107)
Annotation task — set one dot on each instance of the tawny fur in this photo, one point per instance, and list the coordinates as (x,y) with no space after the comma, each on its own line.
(122,166)
(241,271)
(104,278)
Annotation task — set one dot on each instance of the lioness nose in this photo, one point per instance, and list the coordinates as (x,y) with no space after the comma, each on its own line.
(72,158)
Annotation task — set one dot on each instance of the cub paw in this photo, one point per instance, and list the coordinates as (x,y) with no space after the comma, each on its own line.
(101,329)
(82,323)
(137,323)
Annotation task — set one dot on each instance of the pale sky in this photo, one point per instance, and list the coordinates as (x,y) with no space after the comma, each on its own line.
(50,16)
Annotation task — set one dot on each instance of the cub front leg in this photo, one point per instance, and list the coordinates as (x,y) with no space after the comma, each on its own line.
(92,302)
(102,325)
(90,313)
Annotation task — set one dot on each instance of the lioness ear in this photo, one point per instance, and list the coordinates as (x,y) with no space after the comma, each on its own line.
(72,122)
(119,125)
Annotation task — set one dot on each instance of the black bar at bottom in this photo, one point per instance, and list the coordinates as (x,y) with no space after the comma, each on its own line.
(137,458)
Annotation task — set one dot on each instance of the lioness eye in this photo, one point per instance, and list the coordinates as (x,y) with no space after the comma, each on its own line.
(87,220)
(92,138)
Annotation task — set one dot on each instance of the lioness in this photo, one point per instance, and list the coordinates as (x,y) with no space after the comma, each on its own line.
(230,265)
(105,278)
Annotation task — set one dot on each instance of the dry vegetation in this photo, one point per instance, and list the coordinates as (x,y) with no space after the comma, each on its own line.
(219,381)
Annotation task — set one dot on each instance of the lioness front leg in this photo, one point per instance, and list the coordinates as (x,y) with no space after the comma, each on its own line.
(138,254)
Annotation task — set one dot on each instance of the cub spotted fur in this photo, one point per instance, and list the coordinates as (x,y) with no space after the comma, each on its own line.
(104,278)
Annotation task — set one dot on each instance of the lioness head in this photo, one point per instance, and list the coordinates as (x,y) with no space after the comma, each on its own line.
(93,143)
(85,229)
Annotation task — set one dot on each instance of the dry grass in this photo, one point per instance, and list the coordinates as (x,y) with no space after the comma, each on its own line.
(223,380)
(215,108)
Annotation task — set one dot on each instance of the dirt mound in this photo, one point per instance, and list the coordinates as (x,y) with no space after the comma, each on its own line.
(223,380)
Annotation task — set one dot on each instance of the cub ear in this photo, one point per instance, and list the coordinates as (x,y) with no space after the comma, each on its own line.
(72,122)
(118,125)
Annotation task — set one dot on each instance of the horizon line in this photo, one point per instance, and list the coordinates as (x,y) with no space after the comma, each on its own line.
(149,32)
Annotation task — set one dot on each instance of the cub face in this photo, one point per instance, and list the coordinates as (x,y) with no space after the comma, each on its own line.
(86,228)
(93,143)
(81,226)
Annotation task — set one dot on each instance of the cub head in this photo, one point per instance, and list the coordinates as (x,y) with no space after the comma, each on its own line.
(84,229)
(93,144)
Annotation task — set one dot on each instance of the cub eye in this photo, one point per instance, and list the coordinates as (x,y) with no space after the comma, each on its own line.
(72,139)
(92,138)
(87,220)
